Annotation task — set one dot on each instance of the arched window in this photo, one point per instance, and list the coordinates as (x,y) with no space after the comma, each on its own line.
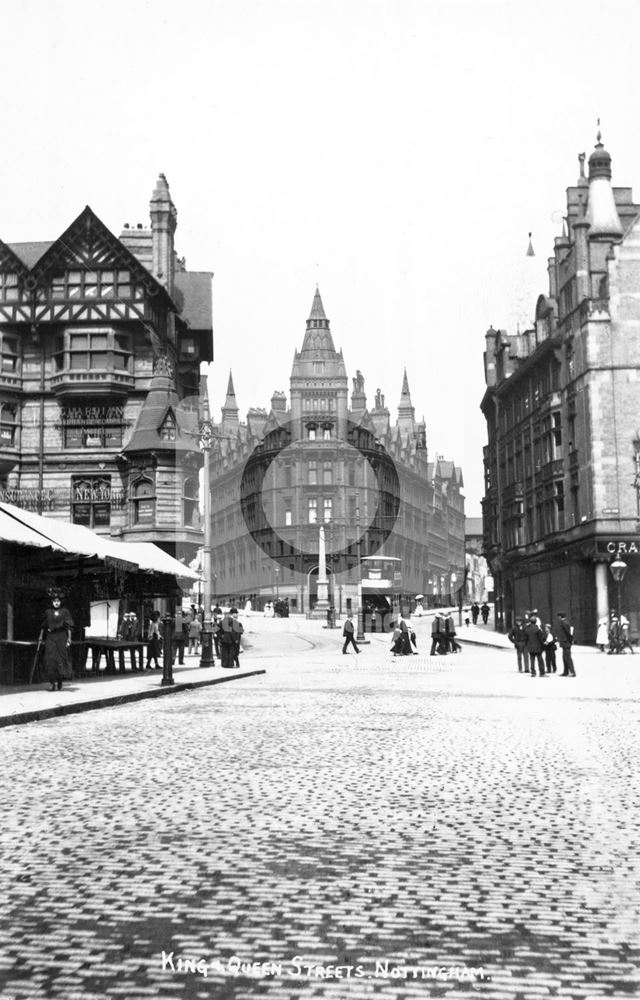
(144,502)
(191,516)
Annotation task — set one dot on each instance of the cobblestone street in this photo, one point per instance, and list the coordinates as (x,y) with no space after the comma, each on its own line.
(358,821)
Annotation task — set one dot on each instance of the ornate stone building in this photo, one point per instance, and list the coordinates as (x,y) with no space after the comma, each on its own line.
(562,405)
(333,462)
(101,340)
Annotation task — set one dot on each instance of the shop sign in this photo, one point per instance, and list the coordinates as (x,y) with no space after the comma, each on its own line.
(624,547)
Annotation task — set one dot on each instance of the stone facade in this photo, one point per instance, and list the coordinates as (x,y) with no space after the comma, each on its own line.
(332,462)
(563,410)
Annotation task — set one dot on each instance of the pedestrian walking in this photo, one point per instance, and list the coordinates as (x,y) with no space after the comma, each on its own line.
(565,641)
(396,639)
(535,645)
(518,637)
(412,636)
(154,644)
(550,647)
(475,611)
(179,637)
(195,631)
(230,635)
(484,611)
(602,636)
(216,616)
(450,634)
(56,631)
(625,641)
(405,637)
(348,633)
(438,636)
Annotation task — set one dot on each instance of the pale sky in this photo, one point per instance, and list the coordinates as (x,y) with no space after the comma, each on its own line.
(396,152)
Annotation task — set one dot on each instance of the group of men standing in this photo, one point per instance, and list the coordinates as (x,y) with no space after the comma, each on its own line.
(536,645)
(443,635)
(226,633)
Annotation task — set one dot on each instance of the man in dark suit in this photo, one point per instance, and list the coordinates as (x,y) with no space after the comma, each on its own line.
(518,637)
(348,633)
(535,637)
(438,635)
(230,634)
(565,641)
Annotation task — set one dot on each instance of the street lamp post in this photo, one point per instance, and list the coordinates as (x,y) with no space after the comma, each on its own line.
(206,439)
(360,632)
(618,569)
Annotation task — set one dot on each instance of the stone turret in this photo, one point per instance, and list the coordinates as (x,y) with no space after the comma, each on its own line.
(602,214)
(164,219)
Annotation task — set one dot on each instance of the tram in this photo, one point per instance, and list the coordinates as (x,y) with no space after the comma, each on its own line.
(381,585)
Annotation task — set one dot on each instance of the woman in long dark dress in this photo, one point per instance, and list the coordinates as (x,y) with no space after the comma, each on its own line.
(57,625)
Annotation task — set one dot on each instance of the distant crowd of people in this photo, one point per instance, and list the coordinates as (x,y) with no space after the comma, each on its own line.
(187,637)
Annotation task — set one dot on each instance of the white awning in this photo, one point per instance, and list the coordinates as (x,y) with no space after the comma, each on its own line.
(27,528)
(12,529)
(150,557)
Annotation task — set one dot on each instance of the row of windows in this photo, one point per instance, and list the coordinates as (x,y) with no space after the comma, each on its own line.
(319,403)
(89,351)
(89,285)
(531,396)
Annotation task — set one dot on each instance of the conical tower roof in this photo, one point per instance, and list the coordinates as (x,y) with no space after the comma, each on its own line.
(406,409)
(317,339)
(230,409)
(162,405)
(318,356)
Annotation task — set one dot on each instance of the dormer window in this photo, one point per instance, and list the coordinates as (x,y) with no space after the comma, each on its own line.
(167,429)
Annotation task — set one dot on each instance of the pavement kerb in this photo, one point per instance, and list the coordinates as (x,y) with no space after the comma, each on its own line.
(40,715)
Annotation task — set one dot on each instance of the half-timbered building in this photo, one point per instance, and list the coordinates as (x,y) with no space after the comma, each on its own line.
(101,339)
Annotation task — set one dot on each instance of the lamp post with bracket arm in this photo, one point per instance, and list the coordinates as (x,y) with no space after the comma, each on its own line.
(206,439)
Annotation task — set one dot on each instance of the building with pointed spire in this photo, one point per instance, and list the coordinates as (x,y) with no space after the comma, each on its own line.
(320,462)
(230,410)
(101,340)
(562,407)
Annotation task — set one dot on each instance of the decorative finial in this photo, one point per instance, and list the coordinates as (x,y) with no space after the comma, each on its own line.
(581,158)
(599,134)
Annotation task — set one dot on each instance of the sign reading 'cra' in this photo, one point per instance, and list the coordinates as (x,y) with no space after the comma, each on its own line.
(620,547)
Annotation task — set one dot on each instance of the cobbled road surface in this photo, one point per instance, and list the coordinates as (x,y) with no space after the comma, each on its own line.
(343,827)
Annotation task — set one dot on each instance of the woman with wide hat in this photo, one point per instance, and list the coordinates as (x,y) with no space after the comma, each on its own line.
(56,626)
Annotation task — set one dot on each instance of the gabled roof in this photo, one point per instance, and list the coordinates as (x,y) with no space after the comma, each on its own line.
(30,253)
(106,248)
